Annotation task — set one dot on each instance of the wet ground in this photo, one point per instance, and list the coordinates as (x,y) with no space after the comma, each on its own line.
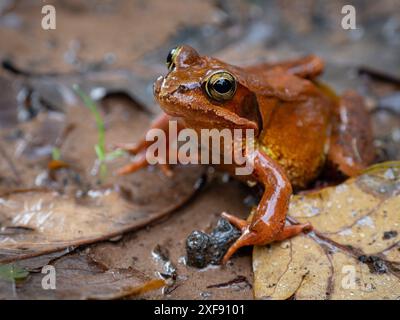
(114,50)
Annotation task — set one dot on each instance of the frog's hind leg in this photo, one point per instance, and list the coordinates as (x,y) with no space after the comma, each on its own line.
(351,147)
(249,237)
(268,220)
(309,67)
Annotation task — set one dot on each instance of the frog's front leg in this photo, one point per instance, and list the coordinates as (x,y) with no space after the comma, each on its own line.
(161,122)
(268,222)
(139,148)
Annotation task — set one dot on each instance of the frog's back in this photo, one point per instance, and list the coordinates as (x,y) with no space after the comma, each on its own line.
(296,130)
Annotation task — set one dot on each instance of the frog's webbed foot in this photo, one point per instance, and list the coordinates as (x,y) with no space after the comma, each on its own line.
(139,149)
(237,222)
(247,238)
(257,237)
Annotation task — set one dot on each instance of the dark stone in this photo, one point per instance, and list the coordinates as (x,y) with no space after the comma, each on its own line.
(203,249)
(375,263)
(389,235)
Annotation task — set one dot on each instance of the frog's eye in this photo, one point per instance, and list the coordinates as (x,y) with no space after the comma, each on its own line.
(220,86)
(171,58)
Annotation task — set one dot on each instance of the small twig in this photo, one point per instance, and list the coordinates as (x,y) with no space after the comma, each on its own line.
(9,66)
(379,75)
(238,279)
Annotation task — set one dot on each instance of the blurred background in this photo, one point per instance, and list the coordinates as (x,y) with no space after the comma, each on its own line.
(134,37)
(99,33)
(122,31)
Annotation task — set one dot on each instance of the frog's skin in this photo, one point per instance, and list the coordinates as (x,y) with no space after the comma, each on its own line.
(300,124)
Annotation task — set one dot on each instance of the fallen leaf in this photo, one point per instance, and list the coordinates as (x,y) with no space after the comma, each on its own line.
(39,221)
(78,277)
(128,292)
(354,251)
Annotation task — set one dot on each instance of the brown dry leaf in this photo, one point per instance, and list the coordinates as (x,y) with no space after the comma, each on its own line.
(78,277)
(354,252)
(34,222)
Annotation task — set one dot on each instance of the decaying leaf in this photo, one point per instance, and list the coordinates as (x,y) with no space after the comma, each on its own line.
(128,292)
(354,251)
(76,276)
(35,222)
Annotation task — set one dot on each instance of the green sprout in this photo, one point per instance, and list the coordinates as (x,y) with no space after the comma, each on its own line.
(12,273)
(99,148)
(56,153)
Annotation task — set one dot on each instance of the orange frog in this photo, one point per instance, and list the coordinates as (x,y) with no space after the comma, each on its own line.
(300,127)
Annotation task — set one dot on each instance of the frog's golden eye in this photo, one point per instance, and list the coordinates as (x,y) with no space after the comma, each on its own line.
(171,58)
(220,86)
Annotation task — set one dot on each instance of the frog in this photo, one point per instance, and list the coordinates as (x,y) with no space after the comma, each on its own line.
(301,127)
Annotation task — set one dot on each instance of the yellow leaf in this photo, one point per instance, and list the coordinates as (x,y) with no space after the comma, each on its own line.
(354,251)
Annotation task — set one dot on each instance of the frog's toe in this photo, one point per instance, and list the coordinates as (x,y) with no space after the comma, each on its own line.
(134,166)
(141,162)
(246,239)
(132,148)
(237,222)
(167,170)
